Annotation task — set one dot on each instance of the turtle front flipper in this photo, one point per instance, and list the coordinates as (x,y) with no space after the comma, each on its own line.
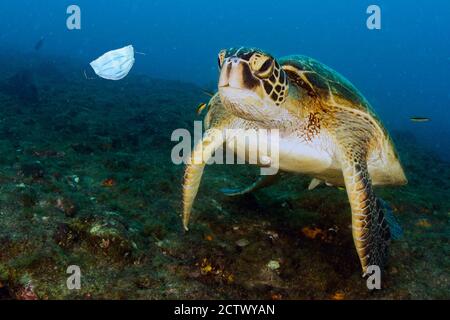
(203,151)
(370,228)
(262,182)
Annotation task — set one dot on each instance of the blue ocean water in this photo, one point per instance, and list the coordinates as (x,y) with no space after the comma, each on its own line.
(403,69)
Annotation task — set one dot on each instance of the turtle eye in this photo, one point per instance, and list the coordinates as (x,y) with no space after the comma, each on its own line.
(221,58)
(262,65)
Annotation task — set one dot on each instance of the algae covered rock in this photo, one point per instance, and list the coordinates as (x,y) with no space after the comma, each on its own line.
(103,236)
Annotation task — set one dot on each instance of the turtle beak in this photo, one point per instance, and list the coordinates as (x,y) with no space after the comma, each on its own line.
(225,75)
(231,74)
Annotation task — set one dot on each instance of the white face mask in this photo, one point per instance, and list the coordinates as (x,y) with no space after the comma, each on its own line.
(114,64)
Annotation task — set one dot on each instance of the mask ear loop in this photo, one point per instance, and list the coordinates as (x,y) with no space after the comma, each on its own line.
(86,76)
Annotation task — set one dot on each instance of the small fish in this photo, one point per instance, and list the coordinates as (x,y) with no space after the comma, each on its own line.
(419,119)
(39,44)
(208,93)
(201,107)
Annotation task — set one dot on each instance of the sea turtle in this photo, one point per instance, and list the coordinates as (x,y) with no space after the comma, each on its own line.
(327,131)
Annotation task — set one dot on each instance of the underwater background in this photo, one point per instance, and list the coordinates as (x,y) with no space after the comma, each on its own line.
(86,176)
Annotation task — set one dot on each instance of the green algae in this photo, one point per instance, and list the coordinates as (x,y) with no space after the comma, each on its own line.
(56,209)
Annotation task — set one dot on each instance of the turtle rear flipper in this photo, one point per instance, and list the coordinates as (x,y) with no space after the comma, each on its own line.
(370,227)
(262,182)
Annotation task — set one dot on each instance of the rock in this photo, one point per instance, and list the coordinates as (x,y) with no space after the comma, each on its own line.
(273,265)
(109,237)
(67,206)
(26,292)
(24,288)
(28,199)
(33,170)
(75,179)
(64,236)
(242,243)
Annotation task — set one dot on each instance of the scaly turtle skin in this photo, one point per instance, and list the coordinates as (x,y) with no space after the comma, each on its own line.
(327,131)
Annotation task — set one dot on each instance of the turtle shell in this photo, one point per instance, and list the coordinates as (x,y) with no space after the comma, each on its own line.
(322,82)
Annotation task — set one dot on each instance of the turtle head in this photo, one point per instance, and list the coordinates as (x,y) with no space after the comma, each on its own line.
(252,85)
